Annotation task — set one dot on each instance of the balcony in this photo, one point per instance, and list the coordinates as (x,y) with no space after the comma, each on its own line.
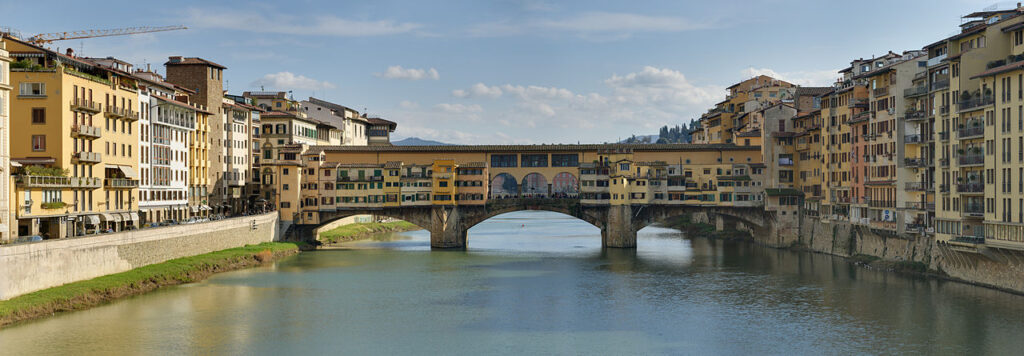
(883,91)
(917,205)
(863,116)
(917,162)
(89,157)
(969,239)
(881,203)
(973,210)
(970,188)
(86,131)
(858,103)
(971,131)
(57,182)
(976,103)
(974,159)
(122,113)
(940,84)
(915,91)
(84,105)
(918,186)
(120,183)
(915,115)
(913,138)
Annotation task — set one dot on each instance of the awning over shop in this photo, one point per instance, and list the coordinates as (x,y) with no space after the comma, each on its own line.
(110,217)
(125,217)
(205,208)
(194,208)
(134,216)
(91,219)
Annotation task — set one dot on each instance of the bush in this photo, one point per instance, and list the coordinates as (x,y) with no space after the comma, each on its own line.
(46,171)
(53,205)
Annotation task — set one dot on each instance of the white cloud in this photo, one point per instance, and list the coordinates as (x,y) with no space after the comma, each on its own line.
(274,21)
(406,104)
(459,108)
(818,78)
(290,81)
(478,90)
(397,72)
(591,25)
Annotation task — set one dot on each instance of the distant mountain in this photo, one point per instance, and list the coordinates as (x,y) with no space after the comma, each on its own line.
(416,141)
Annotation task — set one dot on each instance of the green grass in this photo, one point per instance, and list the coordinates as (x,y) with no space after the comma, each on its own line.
(358,230)
(84,294)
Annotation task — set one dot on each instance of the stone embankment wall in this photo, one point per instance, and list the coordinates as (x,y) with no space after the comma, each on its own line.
(26,268)
(997,268)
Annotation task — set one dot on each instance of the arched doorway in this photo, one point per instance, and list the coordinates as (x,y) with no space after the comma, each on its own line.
(504,185)
(535,186)
(565,184)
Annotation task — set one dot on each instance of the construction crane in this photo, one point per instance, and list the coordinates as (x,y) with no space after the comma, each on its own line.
(44,38)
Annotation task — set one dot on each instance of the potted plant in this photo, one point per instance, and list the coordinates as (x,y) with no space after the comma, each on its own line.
(960,151)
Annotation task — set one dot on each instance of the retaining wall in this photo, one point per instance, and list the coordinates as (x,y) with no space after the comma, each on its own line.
(26,268)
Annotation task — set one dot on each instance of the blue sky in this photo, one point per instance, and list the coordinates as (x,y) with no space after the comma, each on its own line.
(516,71)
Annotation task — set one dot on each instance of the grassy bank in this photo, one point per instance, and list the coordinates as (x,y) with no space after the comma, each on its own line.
(358,231)
(96,291)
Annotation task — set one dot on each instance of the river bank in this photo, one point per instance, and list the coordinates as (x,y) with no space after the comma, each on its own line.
(912,261)
(100,290)
(359,231)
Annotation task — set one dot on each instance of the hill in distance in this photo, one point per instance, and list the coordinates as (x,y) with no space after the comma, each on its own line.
(416,141)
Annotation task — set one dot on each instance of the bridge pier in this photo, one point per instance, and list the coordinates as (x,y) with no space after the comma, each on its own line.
(618,230)
(447,230)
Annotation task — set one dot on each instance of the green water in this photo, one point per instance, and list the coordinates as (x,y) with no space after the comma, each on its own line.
(539,283)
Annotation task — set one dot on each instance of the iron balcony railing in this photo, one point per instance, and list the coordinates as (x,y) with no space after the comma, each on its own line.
(918,205)
(973,210)
(970,188)
(917,186)
(882,203)
(972,159)
(970,239)
(976,102)
(915,115)
(971,131)
(914,138)
(915,91)
(940,84)
(883,91)
(917,162)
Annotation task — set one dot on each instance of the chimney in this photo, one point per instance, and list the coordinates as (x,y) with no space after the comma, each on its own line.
(70,52)
(174,59)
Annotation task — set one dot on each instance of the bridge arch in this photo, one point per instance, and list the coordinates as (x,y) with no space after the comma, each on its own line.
(565,184)
(534,185)
(504,185)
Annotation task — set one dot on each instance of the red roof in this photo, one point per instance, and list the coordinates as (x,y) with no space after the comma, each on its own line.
(178,60)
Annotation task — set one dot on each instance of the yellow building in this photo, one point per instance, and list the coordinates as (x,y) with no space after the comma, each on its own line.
(7,231)
(77,144)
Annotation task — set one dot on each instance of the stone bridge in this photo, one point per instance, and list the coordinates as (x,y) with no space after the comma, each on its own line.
(448,225)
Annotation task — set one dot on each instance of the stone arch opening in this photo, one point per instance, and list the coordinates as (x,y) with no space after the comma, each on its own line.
(509,220)
(336,220)
(535,185)
(504,185)
(565,185)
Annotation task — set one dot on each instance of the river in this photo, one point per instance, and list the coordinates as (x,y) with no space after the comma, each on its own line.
(539,283)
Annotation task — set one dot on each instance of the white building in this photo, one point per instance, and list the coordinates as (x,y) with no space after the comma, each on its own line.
(353,127)
(233,165)
(165,126)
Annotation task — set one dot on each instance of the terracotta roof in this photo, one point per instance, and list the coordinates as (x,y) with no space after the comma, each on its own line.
(1000,69)
(177,60)
(379,121)
(752,133)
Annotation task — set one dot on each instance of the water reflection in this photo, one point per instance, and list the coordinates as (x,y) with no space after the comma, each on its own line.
(540,283)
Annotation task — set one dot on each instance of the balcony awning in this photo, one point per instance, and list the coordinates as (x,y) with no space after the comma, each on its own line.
(128,171)
(34,160)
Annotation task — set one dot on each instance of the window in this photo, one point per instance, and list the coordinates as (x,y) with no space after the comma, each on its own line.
(503,160)
(39,142)
(33,89)
(535,160)
(565,160)
(38,115)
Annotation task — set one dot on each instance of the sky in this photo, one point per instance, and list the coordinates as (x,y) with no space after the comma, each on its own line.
(508,71)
